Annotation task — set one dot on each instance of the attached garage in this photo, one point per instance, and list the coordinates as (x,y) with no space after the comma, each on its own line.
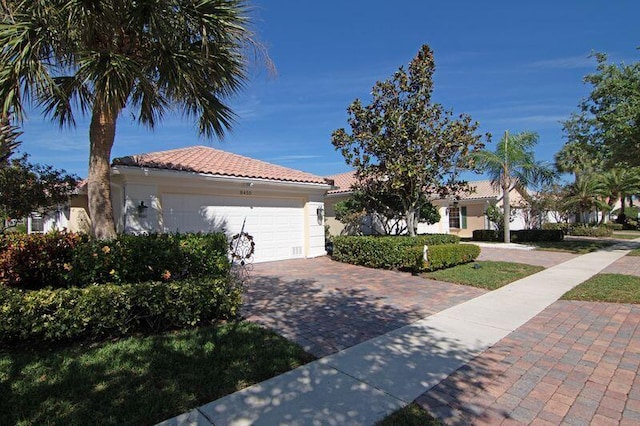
(201,189)
(277,224)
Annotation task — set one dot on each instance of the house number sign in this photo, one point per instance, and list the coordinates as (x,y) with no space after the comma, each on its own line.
(245,192)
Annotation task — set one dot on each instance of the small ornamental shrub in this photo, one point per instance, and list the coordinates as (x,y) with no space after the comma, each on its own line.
(591,231)
(36,260)
(521,236)
(385,252)
(564,227)
(109,310)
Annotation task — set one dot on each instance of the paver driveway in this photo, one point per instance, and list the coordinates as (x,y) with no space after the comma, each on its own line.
(326,306)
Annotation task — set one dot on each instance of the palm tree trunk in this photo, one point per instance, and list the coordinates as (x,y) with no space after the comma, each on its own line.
(102,133)
(506,207)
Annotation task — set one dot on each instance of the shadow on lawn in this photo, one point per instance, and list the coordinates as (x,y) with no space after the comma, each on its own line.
(138,380)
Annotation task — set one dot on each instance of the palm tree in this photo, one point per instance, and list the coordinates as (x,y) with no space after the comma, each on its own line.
(618,184)
(513,166)
(586,194)
(98,57)
(577,158)
(8,140)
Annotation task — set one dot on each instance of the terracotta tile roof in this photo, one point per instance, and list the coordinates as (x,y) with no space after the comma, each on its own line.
(481,189)
(202,159)
(343,182)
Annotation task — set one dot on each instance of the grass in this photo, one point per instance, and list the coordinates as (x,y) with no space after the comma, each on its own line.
(139,380)
(635,252)
(411,415)
(613,288)
(573,246)
(487,275)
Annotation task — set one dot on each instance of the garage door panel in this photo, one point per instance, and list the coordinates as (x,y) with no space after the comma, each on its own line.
(277,225)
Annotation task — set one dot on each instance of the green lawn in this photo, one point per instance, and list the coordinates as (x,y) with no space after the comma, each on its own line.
(139,380)
(614,288)
(411,415)
(573,246)
(487,275)
(634,252)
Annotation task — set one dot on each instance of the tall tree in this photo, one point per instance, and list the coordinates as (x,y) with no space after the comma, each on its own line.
(578,158)
(404,144)
(513,166)
(101,56)
(609,119)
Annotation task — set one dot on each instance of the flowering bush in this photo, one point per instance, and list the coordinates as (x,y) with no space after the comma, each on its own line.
(70,260)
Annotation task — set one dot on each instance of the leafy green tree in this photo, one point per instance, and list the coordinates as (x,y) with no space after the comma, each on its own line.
(101,56)
(404,144)
(26,188)
(609,119)
(513,166)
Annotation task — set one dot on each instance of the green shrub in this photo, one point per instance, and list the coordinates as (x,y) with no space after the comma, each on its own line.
(65,260)
(565,227)
(36,260)
(114,310)
(385,252)
(448,255)
(591,231)
(536,235)
(614,226)
(520,236)
(487,235)
(132,258)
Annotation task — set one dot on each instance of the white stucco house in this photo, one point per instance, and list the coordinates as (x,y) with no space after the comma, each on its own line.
(202,189)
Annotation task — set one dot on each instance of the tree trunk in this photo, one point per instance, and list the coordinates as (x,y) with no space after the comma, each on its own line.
(102,133)
(506,207)
(412,222)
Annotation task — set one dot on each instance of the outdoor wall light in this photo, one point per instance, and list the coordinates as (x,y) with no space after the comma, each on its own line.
(142,209)
(320,214)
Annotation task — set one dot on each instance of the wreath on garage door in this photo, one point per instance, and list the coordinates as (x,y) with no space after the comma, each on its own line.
(242,247)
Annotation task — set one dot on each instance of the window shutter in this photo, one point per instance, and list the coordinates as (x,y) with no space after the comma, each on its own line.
(463,217)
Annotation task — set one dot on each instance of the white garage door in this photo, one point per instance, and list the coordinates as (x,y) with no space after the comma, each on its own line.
(277,225)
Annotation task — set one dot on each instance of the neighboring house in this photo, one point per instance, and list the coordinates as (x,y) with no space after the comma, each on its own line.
(459,216)
(467,212)
(201,189)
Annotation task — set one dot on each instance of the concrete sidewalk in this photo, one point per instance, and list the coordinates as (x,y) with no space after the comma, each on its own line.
(362,384)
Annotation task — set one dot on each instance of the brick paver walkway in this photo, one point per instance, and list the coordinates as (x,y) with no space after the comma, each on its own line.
(575,363)
(326,306)
(628,265)
(529,257)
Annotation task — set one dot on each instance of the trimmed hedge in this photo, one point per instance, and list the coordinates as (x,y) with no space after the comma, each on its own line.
(591,231)
(441,256)
(403,252)
(448,255)
(114,310)
(521,236)
(66,260)
(385,252)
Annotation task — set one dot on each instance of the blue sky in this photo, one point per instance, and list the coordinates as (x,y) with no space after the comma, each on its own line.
(510,65)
